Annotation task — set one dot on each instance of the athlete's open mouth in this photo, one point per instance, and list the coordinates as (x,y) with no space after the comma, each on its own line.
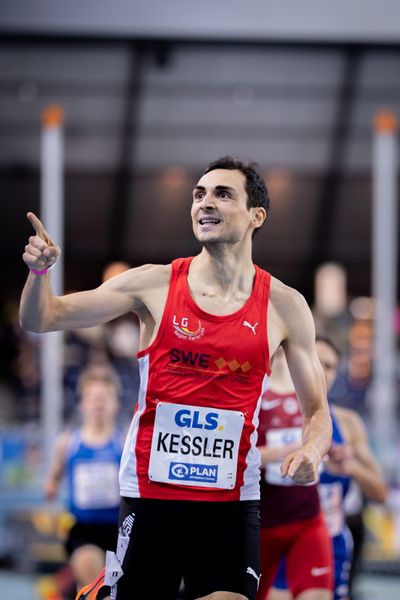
(209,220)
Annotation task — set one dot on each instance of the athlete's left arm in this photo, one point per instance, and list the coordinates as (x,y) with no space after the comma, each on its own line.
(361,463)
(306,372)
(57,470)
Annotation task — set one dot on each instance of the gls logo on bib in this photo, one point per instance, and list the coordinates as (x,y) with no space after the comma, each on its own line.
(192,420)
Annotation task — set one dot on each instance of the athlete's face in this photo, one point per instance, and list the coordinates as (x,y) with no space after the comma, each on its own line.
(99,402)
(329,361)
(219,210)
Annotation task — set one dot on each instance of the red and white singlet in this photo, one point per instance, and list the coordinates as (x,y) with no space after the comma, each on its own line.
(194,431)
(281,422)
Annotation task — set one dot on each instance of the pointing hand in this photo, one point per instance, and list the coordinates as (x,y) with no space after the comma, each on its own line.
(41,252)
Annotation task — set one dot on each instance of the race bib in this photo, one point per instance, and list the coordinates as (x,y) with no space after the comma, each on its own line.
(96,485)
(274,439)
(195,445)
(331,496)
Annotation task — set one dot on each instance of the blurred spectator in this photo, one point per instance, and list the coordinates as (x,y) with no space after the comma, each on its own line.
(86,456)
(116,342)
(330,310)
(123,344)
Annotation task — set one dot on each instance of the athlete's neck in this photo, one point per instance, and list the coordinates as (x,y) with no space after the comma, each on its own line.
(97,432)
(222,272)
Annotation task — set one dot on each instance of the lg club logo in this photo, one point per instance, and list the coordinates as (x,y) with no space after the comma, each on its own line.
(187,329)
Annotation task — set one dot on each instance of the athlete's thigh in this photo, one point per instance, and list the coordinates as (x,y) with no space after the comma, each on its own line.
(278,594)
(224,550)
(309,562)
(149,550)
(274,542)
(280,582)
(315,594)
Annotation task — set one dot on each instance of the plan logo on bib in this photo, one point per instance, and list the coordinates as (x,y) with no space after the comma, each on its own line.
(193,472)
(187,328)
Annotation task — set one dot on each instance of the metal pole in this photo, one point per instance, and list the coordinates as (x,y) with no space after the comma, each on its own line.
(52,215)
(384,280)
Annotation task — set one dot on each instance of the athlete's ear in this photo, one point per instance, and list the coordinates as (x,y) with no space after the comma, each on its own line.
(259,216)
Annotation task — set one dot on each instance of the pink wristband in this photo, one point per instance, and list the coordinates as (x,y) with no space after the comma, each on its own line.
(39,272)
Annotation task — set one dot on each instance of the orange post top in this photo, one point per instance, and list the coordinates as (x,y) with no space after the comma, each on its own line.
(385,121)
(53,116)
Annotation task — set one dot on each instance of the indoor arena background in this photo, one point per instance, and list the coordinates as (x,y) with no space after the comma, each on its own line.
(143,96)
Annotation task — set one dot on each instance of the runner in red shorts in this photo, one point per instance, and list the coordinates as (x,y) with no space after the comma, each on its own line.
(292,525)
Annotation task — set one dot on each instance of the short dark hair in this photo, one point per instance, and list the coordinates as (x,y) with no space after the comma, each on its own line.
(325,339)
(256,189)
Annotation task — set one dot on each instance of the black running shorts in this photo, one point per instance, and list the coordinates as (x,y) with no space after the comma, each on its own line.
(103,535)
(212,546)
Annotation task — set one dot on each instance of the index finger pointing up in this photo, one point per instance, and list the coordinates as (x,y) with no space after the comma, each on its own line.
(38,227)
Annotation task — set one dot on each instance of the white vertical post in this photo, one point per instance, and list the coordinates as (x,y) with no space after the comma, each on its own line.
(52,216)
(384,283)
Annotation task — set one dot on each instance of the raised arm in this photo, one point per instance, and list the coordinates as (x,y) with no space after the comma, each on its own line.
(41,310)
(306,372)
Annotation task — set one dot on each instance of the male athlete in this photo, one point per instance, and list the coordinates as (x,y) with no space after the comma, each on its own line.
(350,457)
(81,454)
(292,525)
(210,325)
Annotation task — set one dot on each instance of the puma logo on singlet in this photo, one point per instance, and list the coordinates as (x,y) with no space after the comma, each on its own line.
(251,571)
(252,327)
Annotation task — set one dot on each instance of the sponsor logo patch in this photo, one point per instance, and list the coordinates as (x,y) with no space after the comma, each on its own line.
(189,363)
(187,329)
(193,472)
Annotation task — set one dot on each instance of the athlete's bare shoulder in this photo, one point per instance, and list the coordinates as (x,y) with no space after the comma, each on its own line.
(286,301)
(282,291)
(148,273)
(154,276)
(140,281)
(289,317)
